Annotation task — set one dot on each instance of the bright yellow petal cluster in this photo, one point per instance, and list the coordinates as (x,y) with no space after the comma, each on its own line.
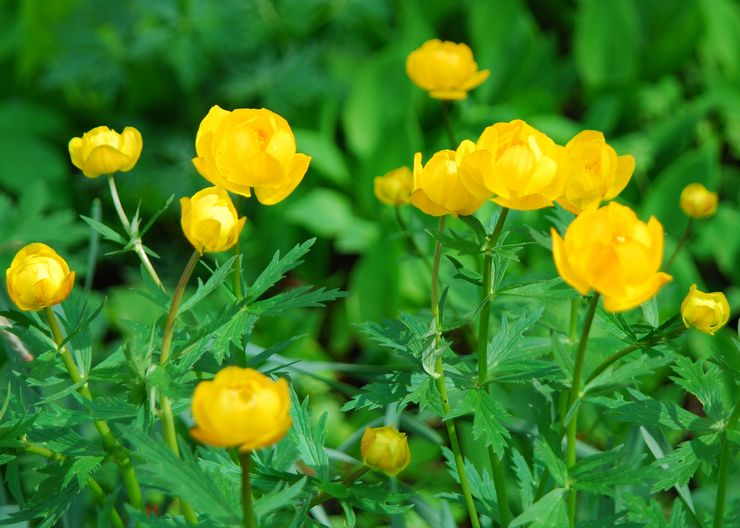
(697,201)
(707,312)
(612,251)
(593,172)
(394,187)
(444,69)
(438,189)
(241,407)
(210,221)
(105,151)
(249,149)
(516,165)
(385,449)
(38,278)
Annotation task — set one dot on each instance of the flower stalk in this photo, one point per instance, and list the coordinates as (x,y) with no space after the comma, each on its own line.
(248,520)
(724,468)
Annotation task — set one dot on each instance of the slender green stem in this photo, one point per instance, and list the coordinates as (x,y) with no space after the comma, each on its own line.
(236,275)
(448,124)
(499,483)
(138,245)
(681,243)
(575,389)
(724,469)
(248,520)
(573,326)
(109,441)
(442,387)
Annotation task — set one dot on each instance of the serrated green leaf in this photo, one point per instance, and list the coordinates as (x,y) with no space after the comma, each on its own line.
(204,289)
(81,469)
(301,297)
(554,463)
(309,441)
(105,231)
(280,497)
(489,418)
(701,383)
(276,270)
(525,480)
(546,512)
(677,468)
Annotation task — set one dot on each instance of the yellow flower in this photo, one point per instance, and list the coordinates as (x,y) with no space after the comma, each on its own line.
(697,201)
(249,148)
(385,449)
(38,278)
(445,69)
(707,312)
(241,407)
(516,164)
(593,172)
(612,251)
(105,151)
(437,187)
(394,188)
(210,221)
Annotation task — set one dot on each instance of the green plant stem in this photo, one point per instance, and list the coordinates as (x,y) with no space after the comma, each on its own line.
(448,124)
(497,470)
(681,243)
(248,520)
(573,326)
(410,237)
(106,435)
(575,389)
(442,387)
(138,245)
(724,469)
(236,272)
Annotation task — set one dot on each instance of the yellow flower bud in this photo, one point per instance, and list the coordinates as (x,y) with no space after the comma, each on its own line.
(444,69)
(438,189)
(707,312)
(394,188)
(612,251)
(241,407)
(210,221)
(38,278)
(593,172)
(385,449)
(105,151)
(697,201)
(516,164)
(249,148)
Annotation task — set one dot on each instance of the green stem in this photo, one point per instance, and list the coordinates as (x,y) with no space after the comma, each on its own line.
(573,326)
(109,441)
(448,124)
(248,520)
(575,388)
(442,387)
(236,272)
(681,243)
(724,469)
(138,245)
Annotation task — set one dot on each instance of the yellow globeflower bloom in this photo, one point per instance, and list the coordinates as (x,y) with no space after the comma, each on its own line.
(593,172)
(444,69)
(697,201)
(612,251)
(394,187)
(249,148)
(515,165)
(385,449)
(438,189)
(105,151)
(210,221)
(38,278)
(707,312)
(241,408)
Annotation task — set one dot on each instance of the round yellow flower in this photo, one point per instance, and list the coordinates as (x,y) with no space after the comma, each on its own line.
(249,148)
(394,187)
(612,251)
(697,201)
(105,151)
(515,165)
(210,221)
(385,449)
(241,407)
(38,278)
(438,189)
(593,172)
(444,69)
(707,312)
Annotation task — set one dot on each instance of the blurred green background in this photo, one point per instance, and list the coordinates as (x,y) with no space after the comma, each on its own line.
(661,78)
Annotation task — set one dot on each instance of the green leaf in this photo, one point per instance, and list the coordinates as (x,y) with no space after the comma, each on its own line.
(105,231)
(524,478)
(214,281)
(301,297)
(280,497)
(678,467)
(702,384)
(650,311)
(545,289)
(547,512)
(464,273)
(276,270)
(489,418)
(600,473)
(82,468)
(554,463)
(309,441)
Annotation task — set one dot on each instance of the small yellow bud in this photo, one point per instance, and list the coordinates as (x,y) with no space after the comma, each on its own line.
(241,407)
(697,201)
(210,221)
(385,449)
(707,312)
(394,188)
(105,151)
(38,278)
